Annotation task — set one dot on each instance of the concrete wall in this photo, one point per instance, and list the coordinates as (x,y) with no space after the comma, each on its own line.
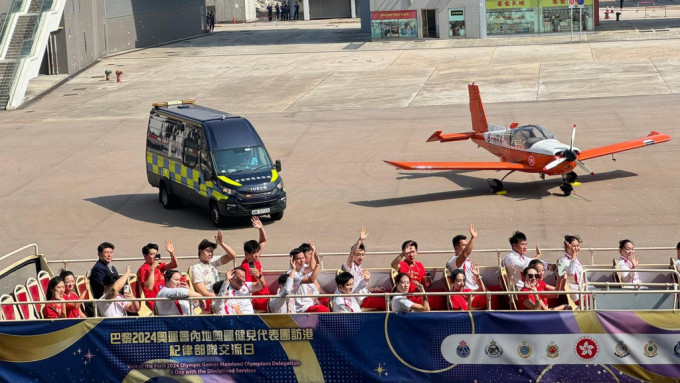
(228,10)
(324,9)
(80,40)
(4,5)
(475,24)
(92,29)
(148,22)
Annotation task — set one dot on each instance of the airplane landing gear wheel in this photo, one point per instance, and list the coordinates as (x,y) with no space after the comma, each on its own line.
(496,186)
(566,189)
(570,177)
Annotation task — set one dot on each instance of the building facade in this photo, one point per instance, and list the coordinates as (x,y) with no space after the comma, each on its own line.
(454,19)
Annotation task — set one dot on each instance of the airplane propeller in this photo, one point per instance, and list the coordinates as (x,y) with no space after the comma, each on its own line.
(568,155)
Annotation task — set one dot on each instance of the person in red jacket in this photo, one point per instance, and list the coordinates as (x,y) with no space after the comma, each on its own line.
(55,292)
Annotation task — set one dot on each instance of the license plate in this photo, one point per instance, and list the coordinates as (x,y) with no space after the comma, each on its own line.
(260,211)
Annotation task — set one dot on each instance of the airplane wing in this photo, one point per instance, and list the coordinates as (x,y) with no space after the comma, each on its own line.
(460,166)
(651,139)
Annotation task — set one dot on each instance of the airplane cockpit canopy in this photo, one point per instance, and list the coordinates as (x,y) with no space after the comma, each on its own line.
(527,135)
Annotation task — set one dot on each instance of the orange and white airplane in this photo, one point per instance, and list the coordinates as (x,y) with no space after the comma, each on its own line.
(528,148)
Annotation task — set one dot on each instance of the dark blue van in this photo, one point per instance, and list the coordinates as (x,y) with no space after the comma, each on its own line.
(212,159)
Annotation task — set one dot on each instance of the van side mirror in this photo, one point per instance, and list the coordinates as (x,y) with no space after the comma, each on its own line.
(207,175)
(277,165)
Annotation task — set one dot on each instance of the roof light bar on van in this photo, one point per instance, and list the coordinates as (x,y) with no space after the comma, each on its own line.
(171,103)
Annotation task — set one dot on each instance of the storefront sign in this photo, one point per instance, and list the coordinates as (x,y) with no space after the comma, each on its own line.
(456,23)
(394,15)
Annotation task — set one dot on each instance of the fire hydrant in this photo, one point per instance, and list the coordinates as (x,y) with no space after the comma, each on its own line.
(108,74)
(118,74)
(606,14)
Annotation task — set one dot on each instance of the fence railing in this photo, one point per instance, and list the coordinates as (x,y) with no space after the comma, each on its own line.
(387,296)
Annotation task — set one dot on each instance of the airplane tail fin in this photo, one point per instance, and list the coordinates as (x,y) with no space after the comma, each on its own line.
(479,123)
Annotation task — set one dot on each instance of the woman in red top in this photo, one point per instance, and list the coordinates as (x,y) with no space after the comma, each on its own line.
(534,301)
(463,302)
(531,301)
(55,292)
(73,310)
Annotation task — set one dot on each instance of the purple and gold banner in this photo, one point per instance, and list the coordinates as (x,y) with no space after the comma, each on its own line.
(383,347)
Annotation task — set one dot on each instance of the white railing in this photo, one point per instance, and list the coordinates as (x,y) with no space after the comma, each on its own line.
(387,296)
(555,253)
(28,66)
(17,7)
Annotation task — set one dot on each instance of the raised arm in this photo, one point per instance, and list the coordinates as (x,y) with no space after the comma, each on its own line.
(170,248)
(151,278)
(468,248)
(258,225)
(312,277)
(478,277)
(120,282)
(355,247)
(230,253)
(426,305)
(397,260)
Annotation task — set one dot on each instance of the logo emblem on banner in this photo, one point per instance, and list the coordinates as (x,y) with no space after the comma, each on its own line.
(552,351)
(493,350)
(676,350)
(586,348)
(463,350)
(621,350)
(651,350)
(524,350)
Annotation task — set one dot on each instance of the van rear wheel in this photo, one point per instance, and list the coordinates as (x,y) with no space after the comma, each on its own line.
(277,216)
(166,198)
(217,219)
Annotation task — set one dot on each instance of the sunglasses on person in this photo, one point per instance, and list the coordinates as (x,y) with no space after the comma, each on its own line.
(532,276)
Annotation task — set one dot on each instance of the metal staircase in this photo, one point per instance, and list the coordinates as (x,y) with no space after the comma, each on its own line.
(24,33)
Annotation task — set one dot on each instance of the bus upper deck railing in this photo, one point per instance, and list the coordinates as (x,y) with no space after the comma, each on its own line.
(500,253)
(388,295)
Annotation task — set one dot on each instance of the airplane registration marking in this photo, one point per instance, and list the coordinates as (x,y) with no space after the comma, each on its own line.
(494,139)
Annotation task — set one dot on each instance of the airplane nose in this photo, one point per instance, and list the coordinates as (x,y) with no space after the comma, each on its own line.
(569,155)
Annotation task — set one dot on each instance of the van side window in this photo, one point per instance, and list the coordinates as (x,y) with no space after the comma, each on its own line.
(190,145)
(173,133)
(154,136)
(205,163)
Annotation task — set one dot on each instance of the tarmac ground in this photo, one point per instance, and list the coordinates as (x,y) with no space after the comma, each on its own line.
(332,106)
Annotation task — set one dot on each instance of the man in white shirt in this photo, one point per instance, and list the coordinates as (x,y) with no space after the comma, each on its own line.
(516,260)
(461,260)
(204,272)
(353,265)
(279,304)
(175,290)
(115,306)
(345,282)
(237,287)
(303,283)
(311,258)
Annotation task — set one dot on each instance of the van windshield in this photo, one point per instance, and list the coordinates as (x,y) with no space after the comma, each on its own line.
(238,160)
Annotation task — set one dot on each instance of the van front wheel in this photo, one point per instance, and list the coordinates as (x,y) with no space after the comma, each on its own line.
(217,219)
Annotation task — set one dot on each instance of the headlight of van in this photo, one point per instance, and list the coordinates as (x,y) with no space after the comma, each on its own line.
(280,185)
(229,191)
